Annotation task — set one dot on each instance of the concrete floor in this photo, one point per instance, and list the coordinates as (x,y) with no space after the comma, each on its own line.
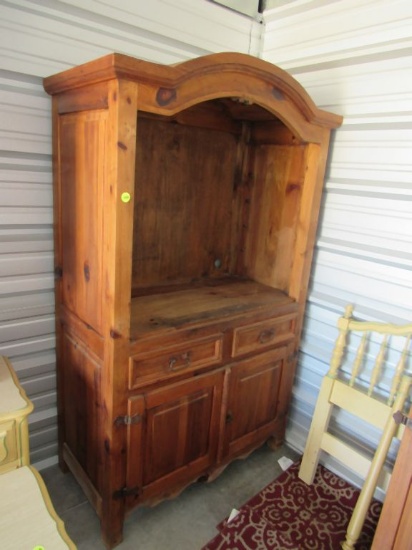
(185,523)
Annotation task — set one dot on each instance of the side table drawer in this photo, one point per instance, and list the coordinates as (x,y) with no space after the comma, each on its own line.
(174,360)
(262,335)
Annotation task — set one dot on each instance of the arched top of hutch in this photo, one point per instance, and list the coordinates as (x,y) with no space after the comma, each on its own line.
(165,90)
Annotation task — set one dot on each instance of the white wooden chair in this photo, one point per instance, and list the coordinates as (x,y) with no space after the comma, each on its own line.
(346,390)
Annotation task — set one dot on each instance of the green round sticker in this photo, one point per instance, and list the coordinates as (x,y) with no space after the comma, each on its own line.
(126,197)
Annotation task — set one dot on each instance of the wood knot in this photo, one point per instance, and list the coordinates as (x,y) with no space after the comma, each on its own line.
(292,187)
(86,271)
(107,446)
(277,94)
(165,96)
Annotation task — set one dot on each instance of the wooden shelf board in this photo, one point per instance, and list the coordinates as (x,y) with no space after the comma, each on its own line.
(212,301)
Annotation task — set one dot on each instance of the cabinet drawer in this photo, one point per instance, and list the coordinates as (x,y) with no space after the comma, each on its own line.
(263,335)
(8,445)
(174,360)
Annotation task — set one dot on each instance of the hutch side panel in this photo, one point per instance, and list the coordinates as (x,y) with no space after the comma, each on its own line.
(307,221)
(83,175)
(278,175)
(81,178)
(81,373)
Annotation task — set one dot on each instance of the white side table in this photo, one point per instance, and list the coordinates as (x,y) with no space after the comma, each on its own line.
(27,517)
(14,409)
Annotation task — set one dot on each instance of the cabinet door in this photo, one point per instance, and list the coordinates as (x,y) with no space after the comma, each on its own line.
(177,437)
(253,401)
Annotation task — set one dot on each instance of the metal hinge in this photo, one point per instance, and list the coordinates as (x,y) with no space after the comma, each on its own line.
(58,272)
(128,420)
(401,418)
(292,356)
(126,492)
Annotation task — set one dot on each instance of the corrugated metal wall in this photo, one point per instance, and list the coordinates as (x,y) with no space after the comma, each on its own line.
(354,57)
(39,38)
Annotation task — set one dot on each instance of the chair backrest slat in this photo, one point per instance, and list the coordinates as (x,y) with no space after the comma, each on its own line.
(360,355)
(377,369)
(400,369)
(340,345)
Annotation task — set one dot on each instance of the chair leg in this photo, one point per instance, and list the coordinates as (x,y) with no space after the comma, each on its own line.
(319,425)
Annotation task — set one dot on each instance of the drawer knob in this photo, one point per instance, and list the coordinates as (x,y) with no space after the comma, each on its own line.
(177,362)
(266,336)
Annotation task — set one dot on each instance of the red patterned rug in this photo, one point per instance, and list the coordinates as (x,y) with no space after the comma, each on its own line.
(290,514)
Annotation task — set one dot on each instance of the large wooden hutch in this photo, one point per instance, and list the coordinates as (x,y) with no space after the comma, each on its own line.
(186,206)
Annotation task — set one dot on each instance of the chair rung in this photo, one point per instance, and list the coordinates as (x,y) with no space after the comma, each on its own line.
(348,455)
(358,403)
